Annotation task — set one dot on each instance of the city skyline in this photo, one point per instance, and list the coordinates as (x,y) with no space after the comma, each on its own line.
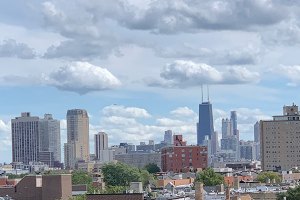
(137,66)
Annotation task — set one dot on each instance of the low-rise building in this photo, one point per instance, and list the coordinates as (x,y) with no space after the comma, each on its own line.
(184,158)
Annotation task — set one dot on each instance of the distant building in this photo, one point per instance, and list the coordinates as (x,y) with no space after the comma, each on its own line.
(77,146)
(280,140)
(25,138)
(183,158)
(168,137)
(247,150)
(103,154)
(139,159)
(49,131)
(215,143)
(226,128)
(128,146)
(257,140)
(143,147)
(205,124)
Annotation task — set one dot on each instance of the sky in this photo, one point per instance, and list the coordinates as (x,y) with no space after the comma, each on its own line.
(137,66)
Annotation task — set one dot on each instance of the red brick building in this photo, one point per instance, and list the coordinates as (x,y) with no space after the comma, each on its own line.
(183,158)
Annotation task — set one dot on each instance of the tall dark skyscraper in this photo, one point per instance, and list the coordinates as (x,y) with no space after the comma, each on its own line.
(233,118)
(205,125)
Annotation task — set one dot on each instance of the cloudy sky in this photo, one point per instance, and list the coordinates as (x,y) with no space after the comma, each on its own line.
(137,66)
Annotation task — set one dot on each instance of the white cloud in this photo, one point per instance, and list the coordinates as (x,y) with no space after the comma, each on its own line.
(183,112)
(119,110)
(11,48)
(82,77)
(5,140)
(183,74)
(292,73)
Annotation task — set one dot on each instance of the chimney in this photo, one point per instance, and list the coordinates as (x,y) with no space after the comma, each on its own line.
(199,191)
(227,193)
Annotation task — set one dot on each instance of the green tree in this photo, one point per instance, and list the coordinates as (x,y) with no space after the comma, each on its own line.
(81,177)
(120,174)
(146,177)
(209,178)
(291,194)
(152,168)
(263,176)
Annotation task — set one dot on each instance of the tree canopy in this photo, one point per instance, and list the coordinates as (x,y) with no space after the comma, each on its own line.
(291,194)
(81,177)
(263,176)
(120,174)
(209,178)
(152,168)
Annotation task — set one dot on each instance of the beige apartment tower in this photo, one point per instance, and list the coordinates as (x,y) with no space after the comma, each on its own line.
(77,147)
(280,140)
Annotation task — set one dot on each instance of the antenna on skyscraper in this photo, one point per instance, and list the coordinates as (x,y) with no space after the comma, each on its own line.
(207,93)
(202,92)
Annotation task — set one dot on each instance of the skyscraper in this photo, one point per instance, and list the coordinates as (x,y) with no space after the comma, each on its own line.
(233,119)
(205,125)
(49,132)
(257,140)
(77,146)
(168,137)
(25,138)
(226,128)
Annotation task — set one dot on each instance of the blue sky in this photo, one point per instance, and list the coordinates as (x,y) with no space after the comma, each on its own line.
(137,66)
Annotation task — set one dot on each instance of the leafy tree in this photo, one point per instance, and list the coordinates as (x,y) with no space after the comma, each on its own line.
(81,177)
(120,174)
(209,178)
(152,168)
(291,194)
(263,176)
(146,177)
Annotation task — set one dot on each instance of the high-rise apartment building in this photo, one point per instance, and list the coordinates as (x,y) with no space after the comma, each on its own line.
(49,132)
(25,138)
(77,146)
(247,150)
(280,140)
(215,143)
(168,137)
(205,125)
(102,152)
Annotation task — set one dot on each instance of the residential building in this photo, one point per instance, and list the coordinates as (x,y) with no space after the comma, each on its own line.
(138,159)
(25,138)
(280,139)
(103,153)
(184,158)
(205,124)
(49,137)
(77,146)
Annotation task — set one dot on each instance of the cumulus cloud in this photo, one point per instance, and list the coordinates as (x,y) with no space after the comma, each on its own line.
(5,140)
(183,74)
(183,112)
(292,73)
(82,77)
(119,110)
(242,56)
(286,33)
(11,48)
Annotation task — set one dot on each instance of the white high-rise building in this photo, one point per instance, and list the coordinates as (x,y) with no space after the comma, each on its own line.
(168,137)
(226,128)
(25,138)
(102,152)
(77,146)
(49,131)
